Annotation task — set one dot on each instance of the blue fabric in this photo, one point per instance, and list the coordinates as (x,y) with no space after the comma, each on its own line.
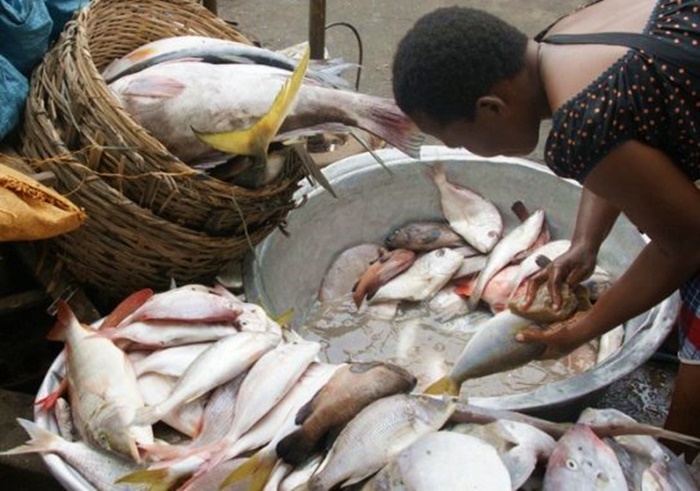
(25,28)
(61,11)
(14,88)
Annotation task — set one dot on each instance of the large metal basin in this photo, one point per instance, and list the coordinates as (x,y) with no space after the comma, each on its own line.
(286,271)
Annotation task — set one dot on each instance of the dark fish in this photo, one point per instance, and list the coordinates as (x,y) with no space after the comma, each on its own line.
(351,388)
(425,236)
(389,265)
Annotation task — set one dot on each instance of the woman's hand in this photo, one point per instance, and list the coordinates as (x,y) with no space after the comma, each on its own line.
(561,338)
(572,267)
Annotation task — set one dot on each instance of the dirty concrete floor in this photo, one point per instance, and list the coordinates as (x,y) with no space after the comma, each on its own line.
(644,394)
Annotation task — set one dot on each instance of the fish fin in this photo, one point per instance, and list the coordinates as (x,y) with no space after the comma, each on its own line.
(126,307)
(155,86)
(311,168)
(257,469)
(295,448)
(370,150)
(65,317)
(47,403)
(445,385)
(256,139)
(40,439)
(386,121)
(147,415)
(285,318)
(155,479)
(306,410)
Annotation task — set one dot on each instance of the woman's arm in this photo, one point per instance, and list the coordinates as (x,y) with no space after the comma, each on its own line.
(658,198)
(594,221)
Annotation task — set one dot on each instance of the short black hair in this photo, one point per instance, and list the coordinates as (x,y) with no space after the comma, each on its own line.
(450,58)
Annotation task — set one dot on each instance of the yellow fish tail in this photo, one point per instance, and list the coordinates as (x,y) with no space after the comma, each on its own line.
(154,479)
(256,469)
(443,386)
(256,139)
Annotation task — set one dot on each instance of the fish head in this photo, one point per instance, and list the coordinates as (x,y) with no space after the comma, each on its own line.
(581,460)
(110,429)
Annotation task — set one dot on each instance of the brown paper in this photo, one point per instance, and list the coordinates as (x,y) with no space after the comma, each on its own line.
(32,211)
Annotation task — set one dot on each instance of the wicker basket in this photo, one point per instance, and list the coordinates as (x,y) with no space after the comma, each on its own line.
(150,216)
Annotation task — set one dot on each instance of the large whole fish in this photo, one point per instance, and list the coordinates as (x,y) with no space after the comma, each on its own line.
(444,460)
(103,390)
(377,434)
(424,236)
(351,388)
(469,214)
(581,460)
(215,51)
(172,99)
(492,349)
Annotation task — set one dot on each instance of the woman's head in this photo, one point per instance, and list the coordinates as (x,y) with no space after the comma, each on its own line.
(446,75)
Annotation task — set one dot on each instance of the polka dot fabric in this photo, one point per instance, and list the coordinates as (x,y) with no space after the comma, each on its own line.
(640,97)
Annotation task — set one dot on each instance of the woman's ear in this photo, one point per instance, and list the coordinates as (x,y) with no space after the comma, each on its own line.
(490,106)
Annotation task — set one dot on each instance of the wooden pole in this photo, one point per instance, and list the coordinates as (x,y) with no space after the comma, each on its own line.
(317,29)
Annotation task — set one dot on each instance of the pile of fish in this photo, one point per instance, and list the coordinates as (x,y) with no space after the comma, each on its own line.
(459,263)
(253,408)
(220,105)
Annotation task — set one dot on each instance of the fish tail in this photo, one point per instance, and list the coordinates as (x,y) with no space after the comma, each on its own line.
(256,470)
(385,120)
(295,448)
(256,139)
(154,479)
(445,385)
(64,318)
(148,415)
(40,439)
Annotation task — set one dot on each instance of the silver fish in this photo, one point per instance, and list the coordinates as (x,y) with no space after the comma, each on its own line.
(517,240)
(170,361)
(378,433)
(426,276)
(550,250)
(212,50)
(172,99)
(492,349)
(164,334)
(223,361)
(424,236)
(519,445)
(187,418)
(581,460)
(469,214)
(99,468)
(443,460)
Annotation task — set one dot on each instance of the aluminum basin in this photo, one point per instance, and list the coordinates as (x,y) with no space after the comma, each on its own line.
(285,272)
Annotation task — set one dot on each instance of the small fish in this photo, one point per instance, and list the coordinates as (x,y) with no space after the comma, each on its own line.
(152,335)
(517,240)
(169,361)
(469,214)
(492,349)
(346,269)
(221,362)
(351,389)
(99,468)
(581,460)
(424,236)
(389,265)
(377,434)
(444,460)
(426,276)
(523,214)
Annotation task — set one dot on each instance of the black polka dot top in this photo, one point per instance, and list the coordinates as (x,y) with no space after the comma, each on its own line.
(650,94)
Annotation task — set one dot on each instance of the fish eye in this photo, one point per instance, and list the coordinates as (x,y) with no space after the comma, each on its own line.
(667,457)
(571,464)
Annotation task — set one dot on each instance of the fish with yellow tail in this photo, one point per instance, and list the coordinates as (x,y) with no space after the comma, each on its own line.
(491,350)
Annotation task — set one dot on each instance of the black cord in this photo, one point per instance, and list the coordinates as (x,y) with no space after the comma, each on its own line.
(359,47)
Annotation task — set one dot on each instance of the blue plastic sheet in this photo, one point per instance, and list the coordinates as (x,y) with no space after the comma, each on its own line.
(14,88)
(27,30)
